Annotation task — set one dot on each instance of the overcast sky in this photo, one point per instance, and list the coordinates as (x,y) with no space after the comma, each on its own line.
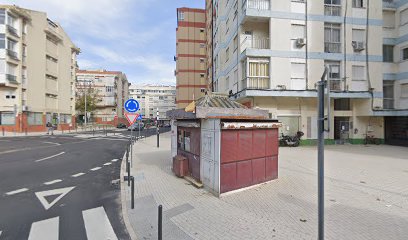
(136,37)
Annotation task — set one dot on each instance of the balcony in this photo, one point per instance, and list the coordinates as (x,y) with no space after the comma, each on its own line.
(257,4)
(255,43)
(11,78)
(256,83)
(336,85)
(13,31)
(332,10)
(12,54)
(330,47)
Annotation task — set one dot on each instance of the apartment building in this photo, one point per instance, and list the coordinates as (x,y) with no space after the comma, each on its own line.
(190,56)
(37,71)
(112,88)
(152,98)
(270,54)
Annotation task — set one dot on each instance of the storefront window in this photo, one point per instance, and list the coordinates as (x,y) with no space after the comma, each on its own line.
(7,118)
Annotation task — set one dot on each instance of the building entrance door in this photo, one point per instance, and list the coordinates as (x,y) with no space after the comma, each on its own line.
(342,127)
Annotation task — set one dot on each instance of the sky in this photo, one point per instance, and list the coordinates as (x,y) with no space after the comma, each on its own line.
(136,37)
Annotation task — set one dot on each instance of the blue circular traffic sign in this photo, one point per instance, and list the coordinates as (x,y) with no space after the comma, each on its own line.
(131,105)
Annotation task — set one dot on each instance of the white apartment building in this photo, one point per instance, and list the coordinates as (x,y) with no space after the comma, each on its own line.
(270,54)
(37,71)
(153,97)
(112,88)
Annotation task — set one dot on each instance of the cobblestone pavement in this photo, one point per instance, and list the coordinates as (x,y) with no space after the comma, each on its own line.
(366,197)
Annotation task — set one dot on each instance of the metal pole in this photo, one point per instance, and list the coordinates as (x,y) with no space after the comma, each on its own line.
(320,158)
(138,137)
(157,126)
(85,110)
(160,223)
(131,145)
(133,193)
(128,168)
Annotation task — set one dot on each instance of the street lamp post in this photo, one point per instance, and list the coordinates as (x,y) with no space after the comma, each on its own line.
(157,126)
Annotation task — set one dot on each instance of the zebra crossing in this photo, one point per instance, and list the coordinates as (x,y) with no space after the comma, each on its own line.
(96,221)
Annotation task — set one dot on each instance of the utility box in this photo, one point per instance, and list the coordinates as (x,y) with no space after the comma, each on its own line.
(227,146)
(180,166)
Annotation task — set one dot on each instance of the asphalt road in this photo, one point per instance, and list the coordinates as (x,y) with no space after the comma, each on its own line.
(36,171)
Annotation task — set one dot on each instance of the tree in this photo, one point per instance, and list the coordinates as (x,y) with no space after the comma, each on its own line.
(92,99)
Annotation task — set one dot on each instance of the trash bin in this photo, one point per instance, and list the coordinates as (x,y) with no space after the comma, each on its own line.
(180,166)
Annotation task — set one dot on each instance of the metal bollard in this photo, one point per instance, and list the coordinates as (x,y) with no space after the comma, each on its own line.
(93,132)
(128,168)
(132,193)
(159,229)
(2,129)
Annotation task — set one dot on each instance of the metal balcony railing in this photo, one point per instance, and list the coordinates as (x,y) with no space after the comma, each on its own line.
(331,47)
(336,85)
(257,4)
(332,10)
(12,54)
(255,43)
(11,78)
(256,83)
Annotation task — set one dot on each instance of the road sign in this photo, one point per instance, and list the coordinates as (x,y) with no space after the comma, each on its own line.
(61,192)
(131,105)
(140,117)
(131,117)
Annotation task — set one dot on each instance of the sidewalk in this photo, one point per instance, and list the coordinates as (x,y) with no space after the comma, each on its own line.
(55,132)
(282,209)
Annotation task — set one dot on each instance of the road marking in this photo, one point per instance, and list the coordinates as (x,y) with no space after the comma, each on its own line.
(95,169)
(53,181)
(115,160)
(107,164)
(45,229)
(53,143)
(61,191)
(78,174)
(17,191)
(42,159)
(97,224)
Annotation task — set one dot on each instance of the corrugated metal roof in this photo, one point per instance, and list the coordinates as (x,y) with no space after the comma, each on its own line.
(218,101)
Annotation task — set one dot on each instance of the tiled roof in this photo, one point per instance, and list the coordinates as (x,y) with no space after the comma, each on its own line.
(218,101)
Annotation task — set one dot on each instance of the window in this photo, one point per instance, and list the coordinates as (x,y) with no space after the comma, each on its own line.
(342,104)
(34,118)
(298,81)
(202,45)
(388,90)
(405,53)
(388,53)
(202,75)
(2,16)
(202,90)
(404,90)
(7,118)
(10,20)
(201,30)
(334,75)
(332,7)
(180,16)
(11,45)
(358,3)
(332,42)
(2,41)
(227,54)
(201,60)
(388,19)
(404,17)
(235,43)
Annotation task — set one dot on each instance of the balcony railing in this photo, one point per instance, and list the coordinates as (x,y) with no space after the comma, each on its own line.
(257,4)
(330,47)
(336,85)
(256,83)
(255,43)
(12,54)
(11,78)
(332,10)
(13,31)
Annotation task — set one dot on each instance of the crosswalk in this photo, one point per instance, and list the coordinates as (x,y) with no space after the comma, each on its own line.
(96,221)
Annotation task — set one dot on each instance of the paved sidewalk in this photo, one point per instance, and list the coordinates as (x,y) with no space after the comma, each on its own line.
(366,197)
(55,132)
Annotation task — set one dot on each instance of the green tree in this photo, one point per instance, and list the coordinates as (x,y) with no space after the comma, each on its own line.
(92,99)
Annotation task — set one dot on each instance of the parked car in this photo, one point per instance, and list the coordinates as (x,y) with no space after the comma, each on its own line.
(135,127)
(121,125)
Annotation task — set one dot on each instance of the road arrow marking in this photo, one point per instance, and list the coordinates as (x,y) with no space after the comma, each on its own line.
(61,191)
(42,159)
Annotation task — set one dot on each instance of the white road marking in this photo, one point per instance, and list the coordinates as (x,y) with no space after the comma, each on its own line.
(107,164)
(115,160)
(17,191)
(52,143)
(41,196)
(45,230)
(95,169)
(53,181)
(42,159)
(78,174)
(97,224)
(0,233)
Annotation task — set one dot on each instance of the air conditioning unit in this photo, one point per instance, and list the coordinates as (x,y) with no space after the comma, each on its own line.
(358,46)
(280,87)
(300,42)
(25,108)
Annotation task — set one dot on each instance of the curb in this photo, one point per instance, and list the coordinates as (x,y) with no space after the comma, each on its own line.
(125,215)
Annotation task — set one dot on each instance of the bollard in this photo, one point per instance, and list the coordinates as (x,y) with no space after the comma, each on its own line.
(2,129)
(128,168)
(62,129)
(159,229)
(93,132)
(132,193)
(26,131)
